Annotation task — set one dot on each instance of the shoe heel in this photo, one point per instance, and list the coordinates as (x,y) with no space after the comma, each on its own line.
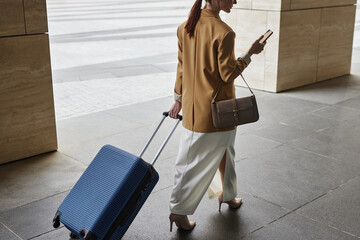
(220,206)
(171,225)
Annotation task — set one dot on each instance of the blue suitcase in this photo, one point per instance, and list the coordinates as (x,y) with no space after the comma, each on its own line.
(109,194)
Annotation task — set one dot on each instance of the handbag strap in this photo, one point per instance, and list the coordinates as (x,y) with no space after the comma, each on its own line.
(213,100)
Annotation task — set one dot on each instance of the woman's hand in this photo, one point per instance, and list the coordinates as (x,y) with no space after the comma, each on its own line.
(175,109)
(257,47)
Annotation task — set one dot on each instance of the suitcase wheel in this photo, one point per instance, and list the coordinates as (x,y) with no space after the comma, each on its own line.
(73,236)
(56,220)
(87,235)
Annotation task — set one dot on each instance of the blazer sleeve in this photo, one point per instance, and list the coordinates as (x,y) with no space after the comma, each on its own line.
(179,73)
(226,59)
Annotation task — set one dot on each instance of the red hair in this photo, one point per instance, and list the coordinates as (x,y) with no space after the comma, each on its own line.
(193,18)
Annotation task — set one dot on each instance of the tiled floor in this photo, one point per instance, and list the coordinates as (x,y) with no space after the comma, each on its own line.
(298,173)
(298,167)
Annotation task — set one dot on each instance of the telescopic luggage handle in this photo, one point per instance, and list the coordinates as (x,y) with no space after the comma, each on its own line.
(165,114)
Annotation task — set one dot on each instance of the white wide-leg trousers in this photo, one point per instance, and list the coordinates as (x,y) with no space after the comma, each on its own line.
(197,171)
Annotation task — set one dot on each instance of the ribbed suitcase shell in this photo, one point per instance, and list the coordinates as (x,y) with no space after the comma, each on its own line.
(102,191)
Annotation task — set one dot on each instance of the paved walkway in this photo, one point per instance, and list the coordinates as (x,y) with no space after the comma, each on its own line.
(298,167)
(113,53)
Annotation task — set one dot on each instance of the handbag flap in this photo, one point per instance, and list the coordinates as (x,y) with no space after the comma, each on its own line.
(237,104)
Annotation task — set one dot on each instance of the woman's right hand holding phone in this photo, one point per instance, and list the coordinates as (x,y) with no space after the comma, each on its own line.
(257,47)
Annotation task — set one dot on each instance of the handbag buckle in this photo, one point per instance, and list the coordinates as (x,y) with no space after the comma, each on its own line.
(235,112)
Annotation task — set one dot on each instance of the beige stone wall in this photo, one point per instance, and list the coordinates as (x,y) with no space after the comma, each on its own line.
(312,40)
(27,119)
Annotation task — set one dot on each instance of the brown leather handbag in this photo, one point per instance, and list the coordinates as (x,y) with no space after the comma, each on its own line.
(233,112)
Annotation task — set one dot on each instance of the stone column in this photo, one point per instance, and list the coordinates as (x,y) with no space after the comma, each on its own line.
(312,40)
(27,118)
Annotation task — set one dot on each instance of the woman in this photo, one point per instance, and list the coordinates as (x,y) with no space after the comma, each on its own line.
(205,57)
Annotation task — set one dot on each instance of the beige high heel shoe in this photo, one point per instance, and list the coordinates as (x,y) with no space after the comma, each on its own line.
(181,222)
(235,203)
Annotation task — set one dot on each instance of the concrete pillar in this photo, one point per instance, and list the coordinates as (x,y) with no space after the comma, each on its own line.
(27,118)
(312,40)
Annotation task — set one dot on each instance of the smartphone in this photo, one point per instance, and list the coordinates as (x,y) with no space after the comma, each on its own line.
(266,36)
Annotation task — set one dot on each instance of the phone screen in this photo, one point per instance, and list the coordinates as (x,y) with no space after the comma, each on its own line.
(266,36)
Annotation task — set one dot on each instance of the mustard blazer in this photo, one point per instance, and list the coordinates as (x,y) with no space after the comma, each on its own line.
(203,61)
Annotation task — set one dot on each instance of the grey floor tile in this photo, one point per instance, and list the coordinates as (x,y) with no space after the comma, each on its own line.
(61,233)
(353,80)
(35,178)
(279,107)
(281,132)
(328,92)
(90,127)
(339,208)
(243,91)
(85,152)
(310,122)
(274,109)
(340,142)
(345,131)
(247,145)
(167,67)
(60,76)
(351,103)
(296,227)
(338,113)
(129,65)
(166,170)
(34,219)
(291,177)
(85,76)
(135,71)
(251,127)
(148,113)
(6,234)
